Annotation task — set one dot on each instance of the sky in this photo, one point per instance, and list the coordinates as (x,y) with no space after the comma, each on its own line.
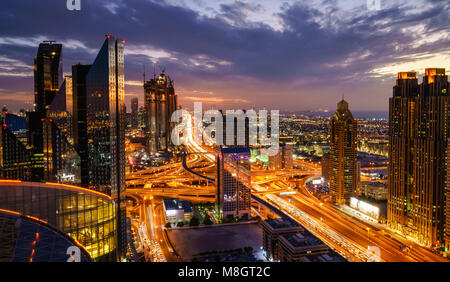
(236,54)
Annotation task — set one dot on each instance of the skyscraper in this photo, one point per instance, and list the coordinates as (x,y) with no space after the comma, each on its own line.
(160,103)
(48,77)
(48,74)
(134,112)
(15,160)
(233,183)
(61,160)
(418,137)
(343,158)
(79,73)
(106,127)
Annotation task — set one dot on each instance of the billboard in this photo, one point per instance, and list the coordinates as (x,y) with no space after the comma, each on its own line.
(365,208)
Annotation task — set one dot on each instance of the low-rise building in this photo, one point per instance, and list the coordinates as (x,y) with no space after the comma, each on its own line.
(293,247)
(272,229)
(176,210)
(374,190)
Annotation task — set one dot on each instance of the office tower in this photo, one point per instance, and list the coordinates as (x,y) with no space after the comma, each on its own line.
(418,137)
(160,103)
(35,144)
(15,160)
(343,161)
(79,73)
(18,125)
(48,74)
(106,128)
(272,229)
(134,112)
(60,110)
(61,160)
(233,183)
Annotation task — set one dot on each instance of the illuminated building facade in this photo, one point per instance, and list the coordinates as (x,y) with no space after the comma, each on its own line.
(48,76)
(160,103)
(418,138)
(85,215)
(106,127)
(233,182)
(15,159)
(61,160)
(343,159)
(28,239)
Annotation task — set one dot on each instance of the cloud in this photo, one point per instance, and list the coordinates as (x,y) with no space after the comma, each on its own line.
(317,43)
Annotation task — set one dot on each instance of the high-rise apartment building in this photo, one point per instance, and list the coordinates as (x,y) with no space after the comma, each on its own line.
(343,158)
(418,137)
(106,127)
(160,103)
(233,182)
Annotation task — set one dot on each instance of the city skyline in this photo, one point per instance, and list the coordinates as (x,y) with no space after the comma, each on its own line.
(319,132)
(259,46)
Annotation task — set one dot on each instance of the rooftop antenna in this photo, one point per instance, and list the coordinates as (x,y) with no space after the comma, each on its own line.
(342,96)
(154,70)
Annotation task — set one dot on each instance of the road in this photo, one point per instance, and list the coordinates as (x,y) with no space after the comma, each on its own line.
(347,235)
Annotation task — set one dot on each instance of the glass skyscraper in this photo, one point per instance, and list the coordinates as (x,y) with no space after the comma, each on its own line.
(105,113)
(48,74)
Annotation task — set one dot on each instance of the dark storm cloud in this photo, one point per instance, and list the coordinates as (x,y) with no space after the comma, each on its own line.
(313,43)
